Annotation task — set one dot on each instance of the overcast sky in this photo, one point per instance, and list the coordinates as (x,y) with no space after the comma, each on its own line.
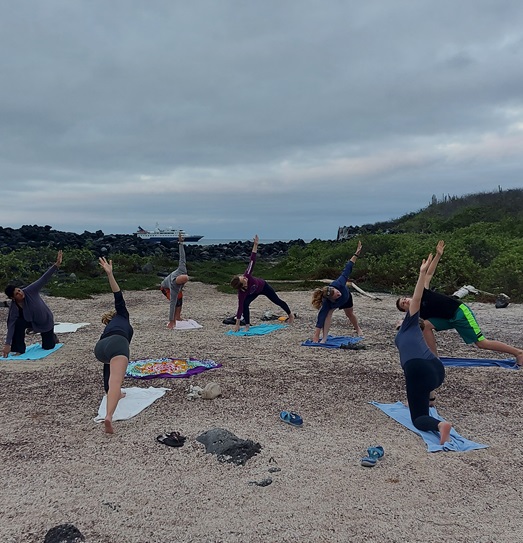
(286,118)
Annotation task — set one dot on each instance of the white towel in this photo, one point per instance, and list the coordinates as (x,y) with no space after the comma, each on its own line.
(61,327)
(136,400)
(187,325)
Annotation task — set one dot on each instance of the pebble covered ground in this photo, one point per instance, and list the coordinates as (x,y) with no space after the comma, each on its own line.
(57,466)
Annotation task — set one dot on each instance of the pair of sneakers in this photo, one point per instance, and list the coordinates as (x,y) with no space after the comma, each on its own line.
(373,455)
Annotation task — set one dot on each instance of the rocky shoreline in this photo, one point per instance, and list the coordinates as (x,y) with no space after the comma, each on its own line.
(101,244)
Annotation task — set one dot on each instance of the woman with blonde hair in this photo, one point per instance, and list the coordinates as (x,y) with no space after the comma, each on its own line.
(249,288)
(335,296)
(113,346)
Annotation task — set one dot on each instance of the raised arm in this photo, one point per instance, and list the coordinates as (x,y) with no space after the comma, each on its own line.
(255,246)
(108,268)
(182,264)
(440,247)
(415,302)
(356,254)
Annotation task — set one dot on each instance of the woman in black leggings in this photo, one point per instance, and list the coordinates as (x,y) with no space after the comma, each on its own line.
(423,370)
(249,288)
(113,346)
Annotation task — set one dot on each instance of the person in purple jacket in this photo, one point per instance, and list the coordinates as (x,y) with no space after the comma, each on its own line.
(335,296)
(28,310)
(249,288)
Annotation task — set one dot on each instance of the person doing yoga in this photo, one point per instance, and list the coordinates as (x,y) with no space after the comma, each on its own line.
(113,346)
(335,296)
(249,288)
(29,311)
(172,286)
(441,312)
(423,370)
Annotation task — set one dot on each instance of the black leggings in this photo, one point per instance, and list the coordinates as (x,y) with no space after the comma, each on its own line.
(269,292)
(49,339)
(421,377)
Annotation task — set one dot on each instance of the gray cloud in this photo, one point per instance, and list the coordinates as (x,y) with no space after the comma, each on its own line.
(229,118)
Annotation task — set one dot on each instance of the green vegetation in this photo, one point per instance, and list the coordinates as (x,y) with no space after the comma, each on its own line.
(484,248)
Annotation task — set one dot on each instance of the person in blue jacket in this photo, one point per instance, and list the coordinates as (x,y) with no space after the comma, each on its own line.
(335,296)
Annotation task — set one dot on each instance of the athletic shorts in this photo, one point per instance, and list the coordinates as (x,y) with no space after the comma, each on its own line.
(111,346)
(167,293)
(464,322)
(348,304)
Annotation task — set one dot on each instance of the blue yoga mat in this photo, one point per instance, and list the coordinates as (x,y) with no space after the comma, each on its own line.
(508,363)
(33,352)
(400,413)
(333,342)
(258,330)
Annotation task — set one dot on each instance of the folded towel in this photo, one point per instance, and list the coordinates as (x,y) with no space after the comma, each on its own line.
(187,325)
(400,413)
(258,330)
(33,352)
(508,363)
(136,400)
(61,327)
(333,342)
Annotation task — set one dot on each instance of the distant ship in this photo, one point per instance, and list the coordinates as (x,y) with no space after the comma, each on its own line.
(159,234)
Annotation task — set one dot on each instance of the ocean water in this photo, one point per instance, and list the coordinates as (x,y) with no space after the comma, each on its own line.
(209,241)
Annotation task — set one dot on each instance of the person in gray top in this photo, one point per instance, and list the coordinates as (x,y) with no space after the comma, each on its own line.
(28,310)
(172,286)
(423,370)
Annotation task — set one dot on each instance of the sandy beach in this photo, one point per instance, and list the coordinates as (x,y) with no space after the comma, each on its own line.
(58,466)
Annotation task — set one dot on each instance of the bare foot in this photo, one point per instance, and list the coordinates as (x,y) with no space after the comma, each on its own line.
(359,332)
(444,428)
(290,318)
(108,423)
(519,359)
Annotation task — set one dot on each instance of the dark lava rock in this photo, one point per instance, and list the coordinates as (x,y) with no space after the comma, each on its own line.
(65,533)
(227,447)
(104,245)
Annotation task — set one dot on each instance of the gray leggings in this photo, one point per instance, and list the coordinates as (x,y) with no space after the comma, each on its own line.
(106,349)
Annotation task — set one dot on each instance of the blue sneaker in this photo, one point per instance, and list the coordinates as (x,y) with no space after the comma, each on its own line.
(368,462)
(291,418)
(376,452)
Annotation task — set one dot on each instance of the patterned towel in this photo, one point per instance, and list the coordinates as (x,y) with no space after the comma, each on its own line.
(333,342)
(151,368)
(33,352)
(400,413)
(258,330)
(508,363)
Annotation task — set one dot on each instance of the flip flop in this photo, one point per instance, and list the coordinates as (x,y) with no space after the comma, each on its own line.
(291,418)
(376,452)
(174,439)
(368,461)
